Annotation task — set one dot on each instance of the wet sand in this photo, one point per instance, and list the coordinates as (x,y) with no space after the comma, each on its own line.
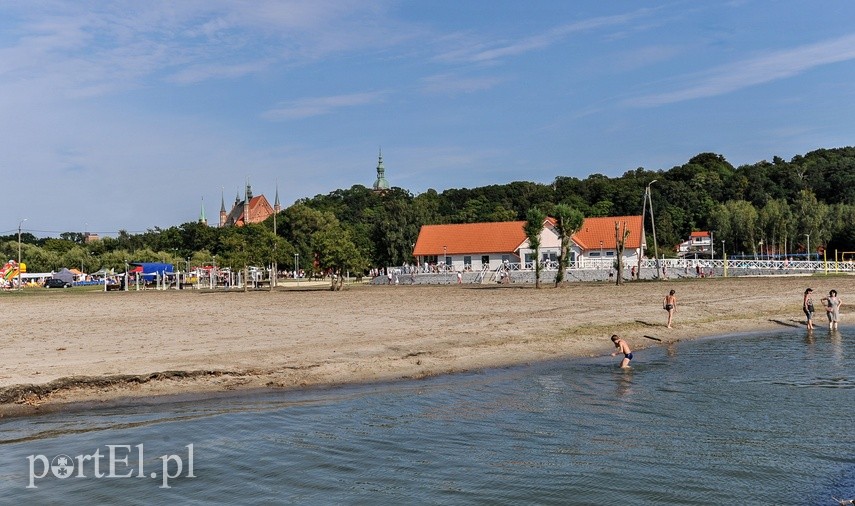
(62,346)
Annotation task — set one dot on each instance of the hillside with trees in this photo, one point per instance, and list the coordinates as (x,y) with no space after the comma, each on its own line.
(776,204)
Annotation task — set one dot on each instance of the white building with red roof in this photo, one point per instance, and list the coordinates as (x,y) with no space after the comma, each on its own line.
(699,243)
(472,246)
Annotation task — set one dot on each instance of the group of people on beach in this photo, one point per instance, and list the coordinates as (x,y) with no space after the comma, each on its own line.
(831,303)
(668,304)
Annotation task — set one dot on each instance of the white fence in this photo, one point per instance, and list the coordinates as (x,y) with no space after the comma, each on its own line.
(674,265)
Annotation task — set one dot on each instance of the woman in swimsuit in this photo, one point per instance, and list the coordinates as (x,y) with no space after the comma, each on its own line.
(807,307)
(670,305)
(832,308)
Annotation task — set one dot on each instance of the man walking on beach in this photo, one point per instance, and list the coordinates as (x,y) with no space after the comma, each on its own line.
(622,347)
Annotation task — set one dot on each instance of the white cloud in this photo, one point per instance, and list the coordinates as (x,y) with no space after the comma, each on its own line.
(317,106)
(453,84)
(204,72)
(753,71)
(486,53)
(81,50)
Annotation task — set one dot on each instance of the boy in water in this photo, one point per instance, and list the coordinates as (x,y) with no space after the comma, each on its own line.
(622,347)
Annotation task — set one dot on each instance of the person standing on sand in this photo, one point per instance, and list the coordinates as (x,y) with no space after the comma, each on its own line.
(807,307)
(670,305)
(832,308)
(622,347)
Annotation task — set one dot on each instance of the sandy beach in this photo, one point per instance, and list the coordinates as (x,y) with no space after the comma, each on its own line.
(64,346)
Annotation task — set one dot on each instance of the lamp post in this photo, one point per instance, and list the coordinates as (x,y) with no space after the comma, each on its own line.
(297,267)
(20,224)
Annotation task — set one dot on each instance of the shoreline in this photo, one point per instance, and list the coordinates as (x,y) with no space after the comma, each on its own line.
(139,347)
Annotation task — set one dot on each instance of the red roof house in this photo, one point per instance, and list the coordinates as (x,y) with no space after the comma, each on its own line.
(496,242)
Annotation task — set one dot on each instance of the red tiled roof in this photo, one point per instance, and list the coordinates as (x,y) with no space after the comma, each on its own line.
(700,234)
(595,230)
(259,210)
(494,237)
(507,236)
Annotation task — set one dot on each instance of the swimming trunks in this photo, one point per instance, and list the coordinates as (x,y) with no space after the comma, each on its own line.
(628,356)
(668,307)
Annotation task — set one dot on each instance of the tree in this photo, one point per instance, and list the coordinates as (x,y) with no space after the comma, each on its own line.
(567,222)
(337,254)
(775,221)
(812,218)
(533,227)
(621,233)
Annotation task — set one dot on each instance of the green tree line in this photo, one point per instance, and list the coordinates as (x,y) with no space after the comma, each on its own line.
(768,206)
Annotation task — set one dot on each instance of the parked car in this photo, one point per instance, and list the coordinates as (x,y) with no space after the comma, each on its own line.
(57,283)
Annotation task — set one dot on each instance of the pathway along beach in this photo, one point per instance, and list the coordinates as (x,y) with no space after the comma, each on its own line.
(62,346)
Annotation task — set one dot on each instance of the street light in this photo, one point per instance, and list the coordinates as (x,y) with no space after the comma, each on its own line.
(20,224)
(297,267)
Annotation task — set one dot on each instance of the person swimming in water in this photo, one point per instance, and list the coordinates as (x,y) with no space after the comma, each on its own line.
(622,347)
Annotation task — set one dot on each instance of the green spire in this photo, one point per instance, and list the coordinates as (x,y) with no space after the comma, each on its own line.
(202,218)
(381,183)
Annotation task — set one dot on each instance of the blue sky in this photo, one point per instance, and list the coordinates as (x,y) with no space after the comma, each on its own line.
(125,115)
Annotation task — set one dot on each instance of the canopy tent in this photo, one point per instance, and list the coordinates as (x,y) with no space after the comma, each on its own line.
(65,275)
(151,270)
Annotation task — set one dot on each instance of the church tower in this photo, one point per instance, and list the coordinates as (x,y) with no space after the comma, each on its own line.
(202,218)
(276,206)
(380,184)
(223,213)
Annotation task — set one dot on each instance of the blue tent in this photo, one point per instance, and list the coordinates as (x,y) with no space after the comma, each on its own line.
(150,270)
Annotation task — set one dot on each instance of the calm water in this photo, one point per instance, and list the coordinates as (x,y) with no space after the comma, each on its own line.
(761,419)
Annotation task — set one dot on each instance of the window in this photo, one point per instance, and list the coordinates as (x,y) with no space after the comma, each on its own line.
(485,259)
(506,258)
(447,260)
(610,253)
(467,261)
(594,254)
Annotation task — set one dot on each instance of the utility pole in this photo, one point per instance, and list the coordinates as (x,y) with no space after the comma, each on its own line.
(653,225)
(20,224)
(643,235)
